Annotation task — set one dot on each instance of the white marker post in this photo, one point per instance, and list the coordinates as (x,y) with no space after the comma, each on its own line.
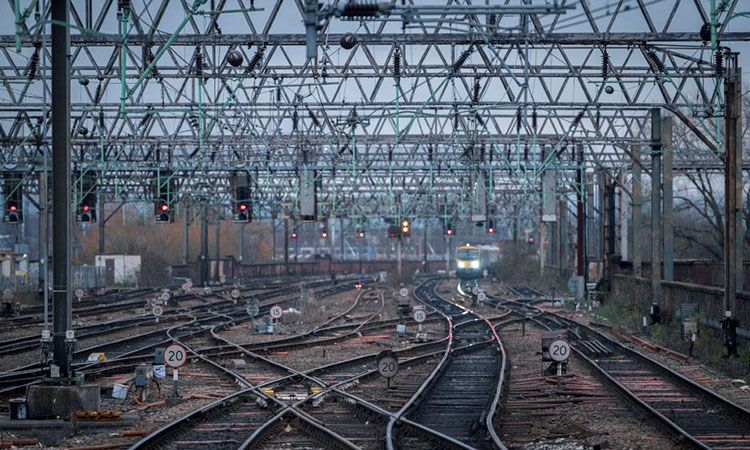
(175,356)
(559,351)
(419,316)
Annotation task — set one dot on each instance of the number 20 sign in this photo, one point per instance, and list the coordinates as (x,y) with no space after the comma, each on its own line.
(559,350)
(175,356)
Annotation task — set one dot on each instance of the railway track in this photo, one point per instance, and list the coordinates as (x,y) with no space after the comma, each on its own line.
(321,419)
(460,397)
(699,417)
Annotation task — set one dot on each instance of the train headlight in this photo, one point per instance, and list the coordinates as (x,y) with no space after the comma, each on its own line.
(475,264)
(461,264)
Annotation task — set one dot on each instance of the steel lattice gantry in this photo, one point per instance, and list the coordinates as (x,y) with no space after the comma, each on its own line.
(410,111)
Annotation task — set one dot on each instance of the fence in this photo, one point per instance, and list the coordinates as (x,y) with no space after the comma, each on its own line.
(84,277)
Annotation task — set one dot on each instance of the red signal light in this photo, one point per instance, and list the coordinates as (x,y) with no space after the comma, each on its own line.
(361,234)
(164,207)
(85,208)
(243,207)
(294,235)
(531,240)
(13,207)
(449,232)
(491,230)
(357,286)
(324,234)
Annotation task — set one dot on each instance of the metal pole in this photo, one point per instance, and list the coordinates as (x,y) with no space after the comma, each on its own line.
(61,213)
(635,219)
(656,239)
(611,232)
(102,222)
(217,242)
(185,234)
(398,256)
(286,245)
(581,230)
(204,246)
(424,247)
(668,219)
(732,176)
(241,232)
(542,246)
(341,223)
(563,227)
(273,233)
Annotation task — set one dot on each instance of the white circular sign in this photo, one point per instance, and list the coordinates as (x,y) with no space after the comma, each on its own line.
(164,296)
(157,310)
(475,290)
(222,279)
(206,290)
(235,293)
(175,356)
(482,296)
(252,309)
(185,286)
(559,350)
(404,292)
(276,312)
(420,315)
(79,293)
(388,366)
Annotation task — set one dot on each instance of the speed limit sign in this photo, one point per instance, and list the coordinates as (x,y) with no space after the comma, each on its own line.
(157,310)
(419,315)
(276,312)
(175,356)
(559,350)
(404,292)
(475,290)
(481,296)
(79,293)
(252,309)
(164,296)
(387,364)
(235,293)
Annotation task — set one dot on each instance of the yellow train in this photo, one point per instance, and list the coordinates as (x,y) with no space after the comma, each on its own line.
(468,262)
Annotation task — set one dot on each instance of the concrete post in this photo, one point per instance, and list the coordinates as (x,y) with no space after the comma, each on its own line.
(61,213)
(635,218)
(667,151)
(656,238)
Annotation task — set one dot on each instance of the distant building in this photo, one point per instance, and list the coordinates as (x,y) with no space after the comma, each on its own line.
(120,269)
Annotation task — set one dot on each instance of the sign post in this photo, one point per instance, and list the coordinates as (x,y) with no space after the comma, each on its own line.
(559,351)
(387,365)
(276,313)
(419,316)
(175,356)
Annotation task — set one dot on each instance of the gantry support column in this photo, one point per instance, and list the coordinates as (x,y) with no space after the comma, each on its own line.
(635,217)
(102,222)
(185,233)
(667,152)
(563,237)
(610,228)
(581,229)
(286,245)
(733,199)
(241,239)
(217,242)
(61,214)
(204,246)
(656,238)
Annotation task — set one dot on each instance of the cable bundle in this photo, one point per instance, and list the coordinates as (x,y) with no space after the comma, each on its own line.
(477,87)
(518,120)
(313,117)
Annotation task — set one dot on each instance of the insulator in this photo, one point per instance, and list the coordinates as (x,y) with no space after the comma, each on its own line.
(525,152)
(475,97)
(455,120)
(518,120)
(462,58)
(194,122)
(507,151)
(315,120)
(397,63)
(492,153)
(198,62)
(605,63)
(356,10)
(154,70)
(324,72)
(278,95)
(122,4)
(295,120)
(719,63)
(655,60)
(597,119)
(101,119)
(493,19)
(99,91)
(430,151)
(533,119)
(482,151)
(33,64)
(257,57)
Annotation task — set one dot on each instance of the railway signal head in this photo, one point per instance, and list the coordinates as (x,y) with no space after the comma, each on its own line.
(357,285)
(162,213)
(531,241)
(294,235)
(405,227)
(394,231)
(361,233)
(324,233)
(491,227)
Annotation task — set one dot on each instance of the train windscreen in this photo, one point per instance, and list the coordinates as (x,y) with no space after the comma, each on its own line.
(468,253)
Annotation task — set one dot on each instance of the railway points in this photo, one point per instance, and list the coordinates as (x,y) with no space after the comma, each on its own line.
(368,224)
